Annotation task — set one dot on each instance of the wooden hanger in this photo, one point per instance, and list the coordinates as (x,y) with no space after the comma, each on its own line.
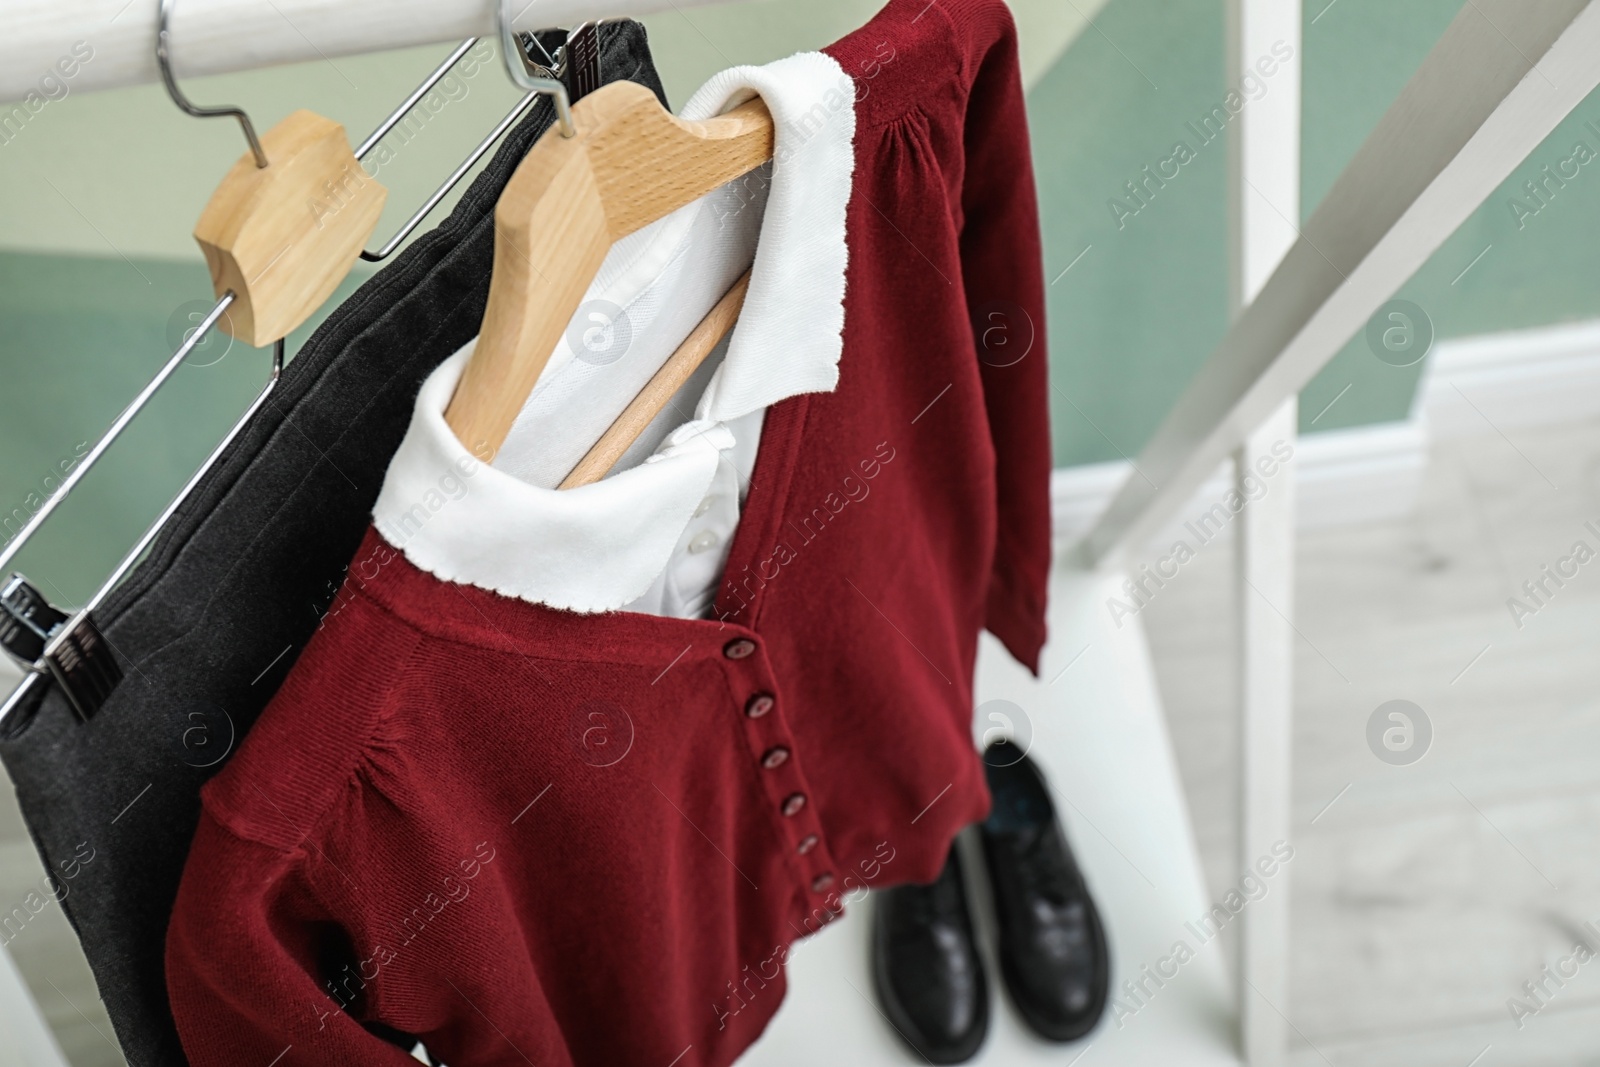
(628,163)
(661,388)
(282,237)
(289,219)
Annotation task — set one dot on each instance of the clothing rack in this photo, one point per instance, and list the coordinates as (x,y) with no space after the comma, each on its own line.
(79,631)
(235,35)
(1462,123)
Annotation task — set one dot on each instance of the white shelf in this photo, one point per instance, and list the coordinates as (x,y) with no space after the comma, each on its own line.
(1099,733)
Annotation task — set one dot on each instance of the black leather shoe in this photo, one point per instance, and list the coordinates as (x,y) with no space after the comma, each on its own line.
(1053,953)
(926,967)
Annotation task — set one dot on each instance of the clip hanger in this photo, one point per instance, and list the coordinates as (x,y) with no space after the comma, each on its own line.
(35,633)
(629,163)
(164,64)
(287,221)
(511,118)
(526,74)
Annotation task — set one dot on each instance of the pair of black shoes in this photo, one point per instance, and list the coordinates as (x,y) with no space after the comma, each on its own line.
(1052,947)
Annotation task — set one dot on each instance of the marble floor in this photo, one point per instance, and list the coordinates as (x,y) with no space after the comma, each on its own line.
(1425,895)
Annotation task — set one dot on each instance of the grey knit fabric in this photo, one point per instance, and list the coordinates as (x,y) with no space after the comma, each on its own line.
(210,622)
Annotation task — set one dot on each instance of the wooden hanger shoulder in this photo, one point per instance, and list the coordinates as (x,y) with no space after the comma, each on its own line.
(282,237)
(629,164)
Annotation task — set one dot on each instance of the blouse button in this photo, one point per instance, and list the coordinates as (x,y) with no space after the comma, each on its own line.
(776,757)
(758,705)
(807,843)
(793,803)
(705,506)
(739,648)
(821,882)
(703,541)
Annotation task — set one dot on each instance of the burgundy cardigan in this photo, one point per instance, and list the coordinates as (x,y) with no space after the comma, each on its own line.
(533,836)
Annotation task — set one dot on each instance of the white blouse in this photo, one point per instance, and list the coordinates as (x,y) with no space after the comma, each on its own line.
(654,535)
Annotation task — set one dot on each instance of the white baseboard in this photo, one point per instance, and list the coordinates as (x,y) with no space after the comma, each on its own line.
(1365,474)
(1536,377)
(1470,385)
(1362,474)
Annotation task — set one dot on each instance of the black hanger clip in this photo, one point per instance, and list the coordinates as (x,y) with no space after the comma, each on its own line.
(44,639)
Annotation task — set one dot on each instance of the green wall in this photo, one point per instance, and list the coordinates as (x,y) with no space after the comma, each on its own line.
(80,337)
(1133,318)
(1129,322)
(125,173)
(1534,271)
(1146,304)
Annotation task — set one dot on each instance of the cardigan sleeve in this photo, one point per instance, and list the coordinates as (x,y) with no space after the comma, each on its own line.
(1002,266)
(243,951)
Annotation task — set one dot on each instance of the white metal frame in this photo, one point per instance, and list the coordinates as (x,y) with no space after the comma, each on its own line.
(1264,209)
(1264,600)
(1498,81)
(1472,112)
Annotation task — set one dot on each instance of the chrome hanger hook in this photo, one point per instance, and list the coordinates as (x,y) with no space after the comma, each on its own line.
(164,62)
(525,73)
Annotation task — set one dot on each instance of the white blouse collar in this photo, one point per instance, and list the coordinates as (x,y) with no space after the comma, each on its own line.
(598,547)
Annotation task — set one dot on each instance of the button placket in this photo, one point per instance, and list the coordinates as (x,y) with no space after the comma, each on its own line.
(777,764)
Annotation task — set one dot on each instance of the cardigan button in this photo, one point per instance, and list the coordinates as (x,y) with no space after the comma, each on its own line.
(739,648)
(758,705)
(775,757)
(807,843)
(793,803)
(821,882)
